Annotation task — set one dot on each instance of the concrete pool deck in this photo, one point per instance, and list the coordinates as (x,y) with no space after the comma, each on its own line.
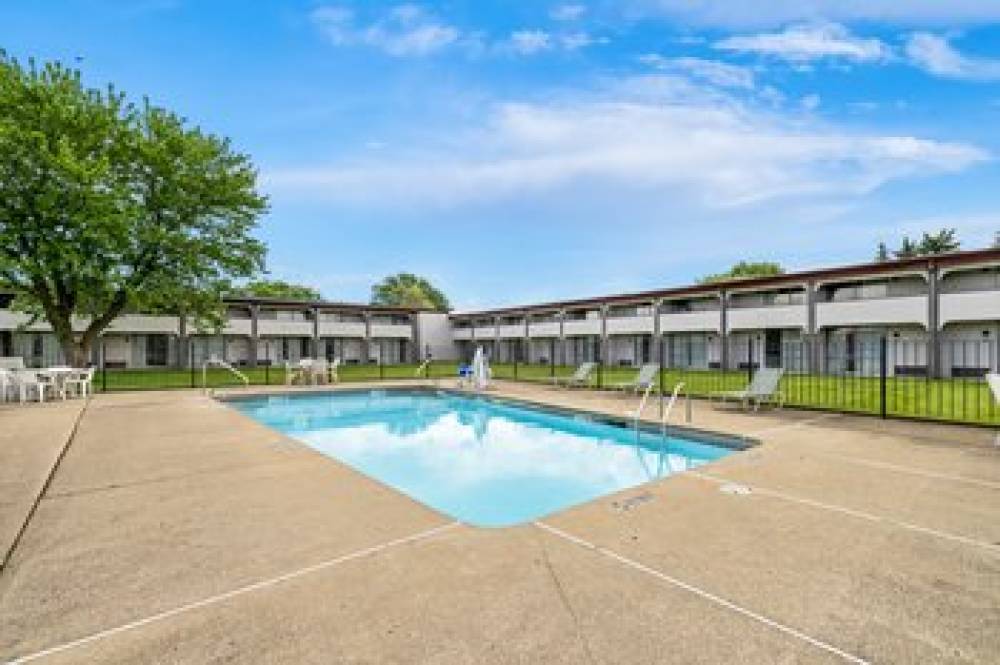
(175,530)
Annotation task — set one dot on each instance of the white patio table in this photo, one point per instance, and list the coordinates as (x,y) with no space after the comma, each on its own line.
(57,375)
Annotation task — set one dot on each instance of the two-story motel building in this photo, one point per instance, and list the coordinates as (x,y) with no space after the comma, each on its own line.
(257,331)
(941,313)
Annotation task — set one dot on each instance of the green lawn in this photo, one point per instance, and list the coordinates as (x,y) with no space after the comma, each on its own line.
(955,400)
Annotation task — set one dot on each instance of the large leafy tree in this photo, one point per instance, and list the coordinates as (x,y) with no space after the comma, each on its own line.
(276,288)
(109,206)
(408,290)
(745,270)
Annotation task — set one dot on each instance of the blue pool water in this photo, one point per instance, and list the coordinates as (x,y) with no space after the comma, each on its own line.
(482,461)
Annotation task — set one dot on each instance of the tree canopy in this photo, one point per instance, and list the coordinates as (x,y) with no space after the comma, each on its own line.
(276,288)
(745,270)
(940,242)
(110,206)
(408,290)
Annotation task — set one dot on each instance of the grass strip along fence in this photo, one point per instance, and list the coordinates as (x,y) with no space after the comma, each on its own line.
(960,400)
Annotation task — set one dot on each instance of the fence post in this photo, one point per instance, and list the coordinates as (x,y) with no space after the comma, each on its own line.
(750,358)
(515,367)
(600,375)
(191,362)
(104,367)
(882,374)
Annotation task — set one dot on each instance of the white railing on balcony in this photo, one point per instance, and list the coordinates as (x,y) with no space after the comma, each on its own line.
(879,311)
(138,323)
(236,327)
(354,329)
(775,316)
(486,332)
(580,327)
(544,329)
(462,334)
(274,328)
(630,325)
(707,321)
(392,330)
(509,331)
(969,306)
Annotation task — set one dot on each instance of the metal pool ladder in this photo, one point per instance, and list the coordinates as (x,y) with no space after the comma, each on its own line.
(665,410)
(215,360)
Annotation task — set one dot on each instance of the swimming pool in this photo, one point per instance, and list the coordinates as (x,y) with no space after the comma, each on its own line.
(484,461)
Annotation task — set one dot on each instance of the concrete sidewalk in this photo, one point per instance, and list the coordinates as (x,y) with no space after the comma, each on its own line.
(178,531)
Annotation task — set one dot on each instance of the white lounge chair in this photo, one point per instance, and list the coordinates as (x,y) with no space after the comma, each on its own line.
(647,376)
(763,388)
(332,370)
(581,377)
(80,382)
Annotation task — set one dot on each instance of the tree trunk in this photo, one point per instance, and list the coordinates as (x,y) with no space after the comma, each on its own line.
(76,349)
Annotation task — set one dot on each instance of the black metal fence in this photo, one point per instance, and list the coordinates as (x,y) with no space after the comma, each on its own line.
(885,377)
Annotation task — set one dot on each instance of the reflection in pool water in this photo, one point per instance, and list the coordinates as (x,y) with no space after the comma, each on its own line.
(484,462)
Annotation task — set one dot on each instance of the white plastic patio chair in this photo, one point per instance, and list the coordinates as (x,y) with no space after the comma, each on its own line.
(11,362)
(31,383)
(6,384)
(763,388)
(332,371)
(80,383)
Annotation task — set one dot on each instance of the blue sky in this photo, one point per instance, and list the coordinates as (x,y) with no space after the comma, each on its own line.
(523,151)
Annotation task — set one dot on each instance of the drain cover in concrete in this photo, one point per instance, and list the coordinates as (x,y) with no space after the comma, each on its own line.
(734,488)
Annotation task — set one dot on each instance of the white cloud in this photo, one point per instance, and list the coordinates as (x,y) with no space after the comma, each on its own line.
(717,73)
(935,55)
(734,14)
(405,30)
(806,42)
(663,136)
(810,102)
(528,42)
(568,12)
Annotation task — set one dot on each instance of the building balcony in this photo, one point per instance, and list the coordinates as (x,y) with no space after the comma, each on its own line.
(879,311)
(970,306)
(510,331)
(462,334)
(706,321)
(630,325)
(392,331)
(486,332)
(544,329)
(234,327)
(350,329)
(582,327)
(273,328)
(137,323)
(775,316)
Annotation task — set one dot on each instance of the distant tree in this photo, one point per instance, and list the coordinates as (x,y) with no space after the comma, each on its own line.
(941,242)
(996,240)
(408,290)
(907,249)
(882,253)
(108,206)
(745,270)
(276,288)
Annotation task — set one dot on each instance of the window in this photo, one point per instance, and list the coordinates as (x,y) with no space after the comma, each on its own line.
(37,346)
(305,347)
(5,300)
(157,347)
